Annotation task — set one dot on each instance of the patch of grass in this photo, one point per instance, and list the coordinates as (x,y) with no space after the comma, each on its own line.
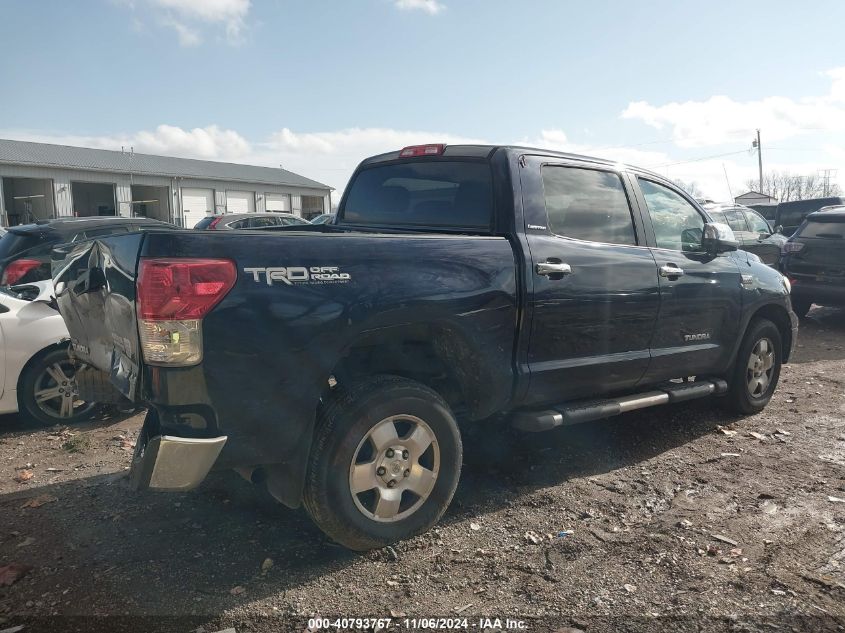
(77,444)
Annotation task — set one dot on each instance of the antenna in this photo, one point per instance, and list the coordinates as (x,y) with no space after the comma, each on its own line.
(730,193)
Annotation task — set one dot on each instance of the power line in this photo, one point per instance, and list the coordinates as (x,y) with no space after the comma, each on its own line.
(697,160)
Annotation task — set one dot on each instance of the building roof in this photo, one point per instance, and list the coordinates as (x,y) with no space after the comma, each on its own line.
(754,194)
(68,157)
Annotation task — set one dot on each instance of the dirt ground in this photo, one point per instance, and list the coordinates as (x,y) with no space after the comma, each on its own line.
(675,518)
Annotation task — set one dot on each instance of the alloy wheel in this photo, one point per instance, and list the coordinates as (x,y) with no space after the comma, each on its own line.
(760,367)
(394,468)
(57,392)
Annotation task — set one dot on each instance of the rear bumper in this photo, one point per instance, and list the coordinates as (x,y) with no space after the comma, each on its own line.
(172,464)
(819,292)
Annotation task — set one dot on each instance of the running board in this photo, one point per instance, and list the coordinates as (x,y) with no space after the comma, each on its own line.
(586,411)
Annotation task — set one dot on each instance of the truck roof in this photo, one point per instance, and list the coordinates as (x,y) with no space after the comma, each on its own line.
(487,151)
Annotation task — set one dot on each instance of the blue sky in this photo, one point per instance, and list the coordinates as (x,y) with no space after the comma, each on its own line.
(316,86)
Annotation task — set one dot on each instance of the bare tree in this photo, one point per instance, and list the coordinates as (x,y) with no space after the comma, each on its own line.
(690,187)
(784,186)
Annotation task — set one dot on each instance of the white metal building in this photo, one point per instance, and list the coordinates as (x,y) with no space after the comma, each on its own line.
(42,181)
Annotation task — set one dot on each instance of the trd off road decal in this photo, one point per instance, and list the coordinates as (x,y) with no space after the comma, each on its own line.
(294,275)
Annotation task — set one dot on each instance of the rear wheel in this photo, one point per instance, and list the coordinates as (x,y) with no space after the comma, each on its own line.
(48,391)
(757,368)
(385,463)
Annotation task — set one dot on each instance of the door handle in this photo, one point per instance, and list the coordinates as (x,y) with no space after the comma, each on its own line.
(553,268)
(670,270)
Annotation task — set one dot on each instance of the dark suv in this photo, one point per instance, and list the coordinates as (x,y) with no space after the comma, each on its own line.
(25,249)
(814,260)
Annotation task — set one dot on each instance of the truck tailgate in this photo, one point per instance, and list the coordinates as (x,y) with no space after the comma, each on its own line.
(95,288)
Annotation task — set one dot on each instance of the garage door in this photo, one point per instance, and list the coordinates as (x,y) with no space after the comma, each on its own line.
(196,204)
(240,202)
(277,202)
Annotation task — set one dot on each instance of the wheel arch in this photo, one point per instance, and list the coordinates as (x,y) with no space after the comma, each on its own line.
(437,355)
(778,315)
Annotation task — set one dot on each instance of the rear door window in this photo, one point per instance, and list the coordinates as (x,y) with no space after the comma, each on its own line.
(260,222)
(449,194)
(587,204)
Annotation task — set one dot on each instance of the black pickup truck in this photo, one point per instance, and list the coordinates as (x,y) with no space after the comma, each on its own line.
(458,286)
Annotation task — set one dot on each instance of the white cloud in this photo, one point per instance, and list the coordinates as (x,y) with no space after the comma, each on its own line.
(331,156)
(187,36)
(210,142)
(432,7)
(188,18)
(720,119)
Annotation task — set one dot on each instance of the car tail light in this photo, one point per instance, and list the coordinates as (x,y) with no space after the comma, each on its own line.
(17,269)
(173,297)
(791,247)
(215,221)
(422,150)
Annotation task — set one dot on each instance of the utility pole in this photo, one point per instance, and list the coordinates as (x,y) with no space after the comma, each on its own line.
(826,174)
(759,158)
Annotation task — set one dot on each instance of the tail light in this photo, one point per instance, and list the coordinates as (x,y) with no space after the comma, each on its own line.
(17,270)
(173,297)
(215,221)
(791,247)
(422,150)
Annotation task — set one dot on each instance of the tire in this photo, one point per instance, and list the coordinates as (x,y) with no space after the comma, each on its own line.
(44,375)
(754,379)
(801,307)
(343,445)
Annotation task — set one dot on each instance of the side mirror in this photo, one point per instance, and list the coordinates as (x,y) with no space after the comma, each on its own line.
(779,229)
(718,238)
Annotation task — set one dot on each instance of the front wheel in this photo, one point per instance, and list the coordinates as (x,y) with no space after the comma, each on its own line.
(385,462)
(48,391)
(757,368)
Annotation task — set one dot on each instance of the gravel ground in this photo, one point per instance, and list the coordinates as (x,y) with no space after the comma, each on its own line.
(675,518)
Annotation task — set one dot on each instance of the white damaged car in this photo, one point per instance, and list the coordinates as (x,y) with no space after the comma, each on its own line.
(37,377)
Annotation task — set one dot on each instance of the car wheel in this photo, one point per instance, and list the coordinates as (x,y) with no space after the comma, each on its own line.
(757,368)
(48,391)
(801,307)
(384,464)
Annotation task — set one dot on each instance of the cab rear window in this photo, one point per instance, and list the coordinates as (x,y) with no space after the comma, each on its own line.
(450,194)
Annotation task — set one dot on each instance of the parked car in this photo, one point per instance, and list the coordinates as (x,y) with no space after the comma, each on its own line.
(325,218)
(790,215)
(480,284)
(37,376)
(25,250)
(2,231)
(751,229)
(231,221)
(814,261)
